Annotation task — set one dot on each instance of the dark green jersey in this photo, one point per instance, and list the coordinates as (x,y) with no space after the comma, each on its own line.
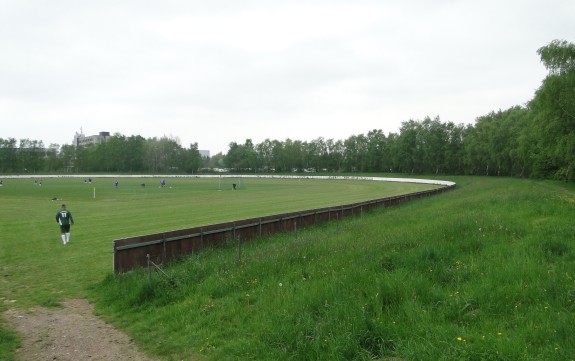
(64,217)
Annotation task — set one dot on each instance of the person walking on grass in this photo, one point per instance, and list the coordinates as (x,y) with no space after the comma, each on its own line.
(65,220)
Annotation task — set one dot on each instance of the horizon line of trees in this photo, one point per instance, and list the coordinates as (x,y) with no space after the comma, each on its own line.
(535,140)
(118,153)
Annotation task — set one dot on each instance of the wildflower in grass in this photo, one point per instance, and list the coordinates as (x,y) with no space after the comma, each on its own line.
(460,339)
(280,284)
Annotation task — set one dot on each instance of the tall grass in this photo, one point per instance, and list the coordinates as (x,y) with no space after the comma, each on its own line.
(485,272)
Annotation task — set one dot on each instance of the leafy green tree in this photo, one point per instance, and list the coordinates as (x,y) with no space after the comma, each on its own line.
(31,155)
(242,157)
(492,142)
(392,149)
(134,157)
(52,162)
(407,149)
(553,110)
(522,154)
(116,151)
(217,161)
(280,161)
(293,154)
(455,149)
(355,153)
(558,57)
(432,139)
(264,152)
(377,152)
(192,159)
(68,158)
(8,155)
(312,154)
(162,155)
(336,151)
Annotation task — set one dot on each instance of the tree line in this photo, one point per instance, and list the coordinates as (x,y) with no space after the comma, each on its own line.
(118,153)
(532,140)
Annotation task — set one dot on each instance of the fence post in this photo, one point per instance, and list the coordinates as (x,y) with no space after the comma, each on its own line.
(115,269)
(149,269)
(239,242)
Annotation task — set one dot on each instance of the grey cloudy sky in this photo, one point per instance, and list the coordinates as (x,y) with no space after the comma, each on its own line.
(215,72)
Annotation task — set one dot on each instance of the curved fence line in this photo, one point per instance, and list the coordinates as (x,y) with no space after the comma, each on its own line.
(135,252)
(86,176)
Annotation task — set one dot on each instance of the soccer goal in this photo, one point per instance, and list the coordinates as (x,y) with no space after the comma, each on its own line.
(230,183)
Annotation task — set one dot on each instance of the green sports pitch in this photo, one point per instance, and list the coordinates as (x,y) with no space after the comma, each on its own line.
(37,267)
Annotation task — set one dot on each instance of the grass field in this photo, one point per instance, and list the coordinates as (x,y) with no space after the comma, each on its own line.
(484,272)
(30,243)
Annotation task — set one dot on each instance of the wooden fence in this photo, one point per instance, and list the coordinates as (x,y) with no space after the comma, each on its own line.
(133,252)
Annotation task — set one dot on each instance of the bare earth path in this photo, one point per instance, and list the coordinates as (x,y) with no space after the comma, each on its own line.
(69,333)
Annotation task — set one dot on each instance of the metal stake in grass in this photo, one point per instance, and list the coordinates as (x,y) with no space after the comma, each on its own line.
(239,242)
(171,281)
(149,268)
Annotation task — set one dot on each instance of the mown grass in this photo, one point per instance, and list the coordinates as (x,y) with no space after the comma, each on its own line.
(36,269)
(484,272)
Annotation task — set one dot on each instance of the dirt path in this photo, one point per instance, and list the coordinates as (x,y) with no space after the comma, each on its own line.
(69,333)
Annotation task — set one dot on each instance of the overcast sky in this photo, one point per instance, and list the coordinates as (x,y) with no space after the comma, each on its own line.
(215,72)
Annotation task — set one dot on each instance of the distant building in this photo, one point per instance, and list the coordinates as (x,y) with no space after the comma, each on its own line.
(82,140)
(204,153)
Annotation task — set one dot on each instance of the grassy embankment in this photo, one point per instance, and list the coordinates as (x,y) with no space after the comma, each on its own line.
(484,272)
(36,269)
